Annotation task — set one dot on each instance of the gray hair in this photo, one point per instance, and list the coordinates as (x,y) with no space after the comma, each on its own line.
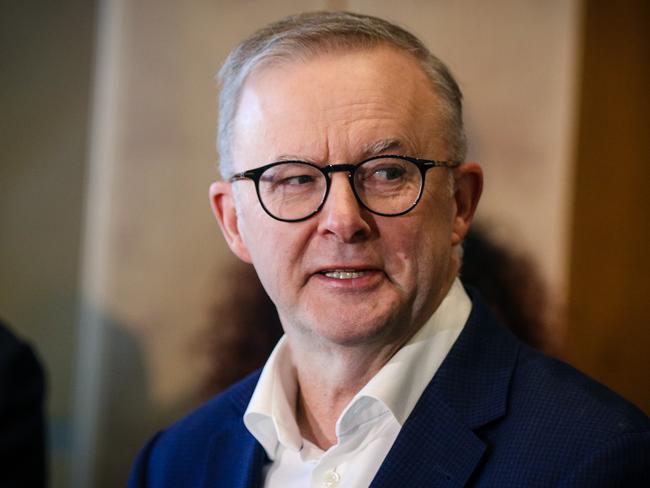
(304,36)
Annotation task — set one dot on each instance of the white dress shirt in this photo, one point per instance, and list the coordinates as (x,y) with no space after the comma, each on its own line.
(368,426)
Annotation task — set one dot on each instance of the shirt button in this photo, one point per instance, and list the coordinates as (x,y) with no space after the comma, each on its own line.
(331,479)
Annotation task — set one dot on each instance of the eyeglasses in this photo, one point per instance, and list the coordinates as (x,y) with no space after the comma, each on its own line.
(389,185)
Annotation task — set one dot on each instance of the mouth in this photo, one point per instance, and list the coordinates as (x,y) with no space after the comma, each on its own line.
(349,278)
(344,274)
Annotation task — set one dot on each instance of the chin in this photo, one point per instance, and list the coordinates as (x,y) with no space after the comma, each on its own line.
(357,329)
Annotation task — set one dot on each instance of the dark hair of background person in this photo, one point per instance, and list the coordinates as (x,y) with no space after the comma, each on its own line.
(22,421)
(512,287)
(245,325)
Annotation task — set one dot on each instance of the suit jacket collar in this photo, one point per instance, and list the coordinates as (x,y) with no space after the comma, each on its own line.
(437,445)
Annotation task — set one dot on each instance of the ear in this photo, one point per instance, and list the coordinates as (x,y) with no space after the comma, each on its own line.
(468,188)
(222,202)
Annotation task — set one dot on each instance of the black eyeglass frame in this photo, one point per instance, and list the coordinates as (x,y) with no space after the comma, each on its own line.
(423,165)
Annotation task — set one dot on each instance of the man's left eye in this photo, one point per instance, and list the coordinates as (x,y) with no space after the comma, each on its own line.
(388,173)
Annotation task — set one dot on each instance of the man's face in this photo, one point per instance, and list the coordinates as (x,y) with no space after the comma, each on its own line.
(345,107)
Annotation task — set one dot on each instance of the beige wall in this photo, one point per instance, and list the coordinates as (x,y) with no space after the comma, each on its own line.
(46,55)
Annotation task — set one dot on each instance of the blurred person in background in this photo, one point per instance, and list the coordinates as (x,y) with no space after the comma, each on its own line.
(22,422)
(345,185)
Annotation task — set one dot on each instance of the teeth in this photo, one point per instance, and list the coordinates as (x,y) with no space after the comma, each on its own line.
(343,274)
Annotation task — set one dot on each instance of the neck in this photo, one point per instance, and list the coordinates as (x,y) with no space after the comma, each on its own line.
(328,379)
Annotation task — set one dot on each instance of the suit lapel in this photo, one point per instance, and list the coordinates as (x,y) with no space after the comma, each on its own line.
(437,445)
(433,449)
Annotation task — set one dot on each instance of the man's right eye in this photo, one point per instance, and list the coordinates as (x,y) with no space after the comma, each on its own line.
(296,180)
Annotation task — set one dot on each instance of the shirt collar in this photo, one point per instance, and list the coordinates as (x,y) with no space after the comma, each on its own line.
(270,416)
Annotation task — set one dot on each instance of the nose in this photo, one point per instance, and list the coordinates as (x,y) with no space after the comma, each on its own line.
(342,216)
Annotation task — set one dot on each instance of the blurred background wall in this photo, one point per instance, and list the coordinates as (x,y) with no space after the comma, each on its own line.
(112,266)
(46,52)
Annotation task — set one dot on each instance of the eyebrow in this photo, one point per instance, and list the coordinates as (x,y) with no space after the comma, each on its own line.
(291,157)
(382,145)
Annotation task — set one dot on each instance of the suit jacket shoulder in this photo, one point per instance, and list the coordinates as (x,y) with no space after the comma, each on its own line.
(562,428)
(498,413)
(209,447)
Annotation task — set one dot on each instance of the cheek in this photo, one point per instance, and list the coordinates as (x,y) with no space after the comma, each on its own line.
(267,260)
(259,241)
(403,252)
(276,250)
(422,249)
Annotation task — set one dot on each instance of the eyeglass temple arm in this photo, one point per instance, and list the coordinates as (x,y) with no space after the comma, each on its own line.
(244,175)
(445,164)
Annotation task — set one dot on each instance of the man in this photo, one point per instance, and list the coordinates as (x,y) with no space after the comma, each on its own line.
(342,151)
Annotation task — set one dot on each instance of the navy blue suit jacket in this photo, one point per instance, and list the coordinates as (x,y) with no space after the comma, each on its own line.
(496,414)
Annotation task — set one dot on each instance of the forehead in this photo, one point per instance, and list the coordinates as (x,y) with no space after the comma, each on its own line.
(335,106)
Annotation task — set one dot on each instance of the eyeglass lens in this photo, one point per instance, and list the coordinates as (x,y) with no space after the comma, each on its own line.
(294,190)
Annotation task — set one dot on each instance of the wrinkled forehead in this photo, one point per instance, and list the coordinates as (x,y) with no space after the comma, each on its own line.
(335,104)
